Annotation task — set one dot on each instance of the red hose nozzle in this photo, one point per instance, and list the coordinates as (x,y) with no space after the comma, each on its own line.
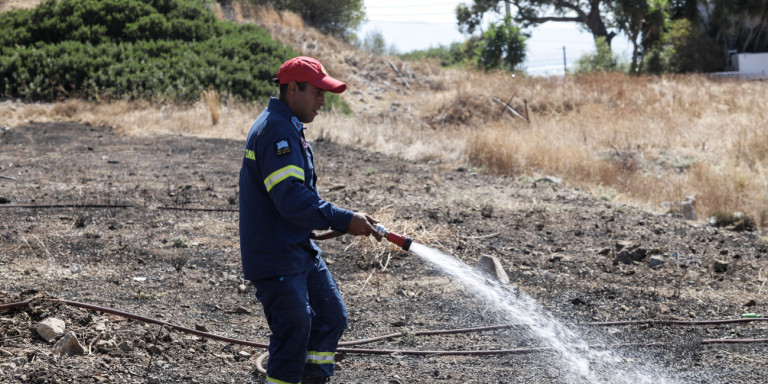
(400,240)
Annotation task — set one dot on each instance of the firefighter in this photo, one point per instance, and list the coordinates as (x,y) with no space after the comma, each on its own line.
(280,213)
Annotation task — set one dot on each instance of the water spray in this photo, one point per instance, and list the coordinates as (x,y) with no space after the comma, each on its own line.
(400,240)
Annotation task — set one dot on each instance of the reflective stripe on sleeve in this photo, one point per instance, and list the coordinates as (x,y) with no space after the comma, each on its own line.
(314,357)
(283,173)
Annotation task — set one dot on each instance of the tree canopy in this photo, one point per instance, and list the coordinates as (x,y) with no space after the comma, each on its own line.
(595,15)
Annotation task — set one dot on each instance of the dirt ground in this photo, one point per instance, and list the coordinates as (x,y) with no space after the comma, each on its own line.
(148,226)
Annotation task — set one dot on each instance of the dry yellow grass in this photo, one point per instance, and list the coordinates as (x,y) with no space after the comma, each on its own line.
(641,139)
(211,99)
(12,5)
(138,118)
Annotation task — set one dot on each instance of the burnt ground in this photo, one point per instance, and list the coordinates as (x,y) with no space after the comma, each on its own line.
(118,222)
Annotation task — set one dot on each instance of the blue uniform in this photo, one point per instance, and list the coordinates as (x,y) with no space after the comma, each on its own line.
(279,208)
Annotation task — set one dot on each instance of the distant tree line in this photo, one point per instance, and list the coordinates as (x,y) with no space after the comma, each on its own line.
(667,35)
(116,49)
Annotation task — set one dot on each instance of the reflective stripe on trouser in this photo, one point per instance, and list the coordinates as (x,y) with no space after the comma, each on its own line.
(276,381)
(305,312)
(314,357)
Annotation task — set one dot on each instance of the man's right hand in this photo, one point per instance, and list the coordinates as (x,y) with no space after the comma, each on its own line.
(362,225)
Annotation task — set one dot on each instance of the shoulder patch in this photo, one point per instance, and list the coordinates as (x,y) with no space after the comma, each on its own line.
(282,147)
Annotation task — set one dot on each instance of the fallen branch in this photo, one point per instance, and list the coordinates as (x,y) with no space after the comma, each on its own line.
(509,108)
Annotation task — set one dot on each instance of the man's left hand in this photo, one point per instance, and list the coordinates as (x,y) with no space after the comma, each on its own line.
(362,225)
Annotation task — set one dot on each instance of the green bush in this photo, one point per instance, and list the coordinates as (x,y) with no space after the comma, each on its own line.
(683,49)
(451,55)
(153,49)
(602,60)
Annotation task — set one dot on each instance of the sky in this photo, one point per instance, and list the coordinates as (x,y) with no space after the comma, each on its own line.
(420,24)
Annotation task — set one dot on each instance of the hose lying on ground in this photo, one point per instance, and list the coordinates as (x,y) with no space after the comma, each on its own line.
(343,350)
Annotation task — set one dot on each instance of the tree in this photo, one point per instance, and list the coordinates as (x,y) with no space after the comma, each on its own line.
(375,44)
(501,46)
(594,15)
(644,22)
(742,24)
(335,17)
(630,15)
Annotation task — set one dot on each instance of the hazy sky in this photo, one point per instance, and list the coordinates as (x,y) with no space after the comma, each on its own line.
(420,24)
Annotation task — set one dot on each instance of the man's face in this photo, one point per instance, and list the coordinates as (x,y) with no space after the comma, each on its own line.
(304,104)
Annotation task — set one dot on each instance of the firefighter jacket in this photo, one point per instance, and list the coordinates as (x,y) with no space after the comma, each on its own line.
(279,202)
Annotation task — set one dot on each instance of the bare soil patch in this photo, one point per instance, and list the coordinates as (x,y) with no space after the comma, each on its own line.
(148,225)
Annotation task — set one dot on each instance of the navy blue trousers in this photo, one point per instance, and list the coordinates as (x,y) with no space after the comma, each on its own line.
(307,317)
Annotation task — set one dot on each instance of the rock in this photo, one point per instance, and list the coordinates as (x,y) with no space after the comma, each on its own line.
(6,368)
(105,344)
(491,267)
(126,346)
(201,327)
(720,266)
(623,245)
(629,254)
(655,261)
(155,349)
(242,310)
(69,345)
(242,288)
(19,361)
(688,208)
(153,380)
(549,179)
(51,328)
(623,257)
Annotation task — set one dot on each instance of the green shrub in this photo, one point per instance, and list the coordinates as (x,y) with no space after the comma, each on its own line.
(602,60)
(683,49)
(451,55)
(154,49)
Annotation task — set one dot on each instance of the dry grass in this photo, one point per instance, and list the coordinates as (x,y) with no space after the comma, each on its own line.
(376,256)
(139,118)
(12,5)
(645,140)
(211,99)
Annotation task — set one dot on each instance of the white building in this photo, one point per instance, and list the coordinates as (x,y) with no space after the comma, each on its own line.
(752,63)
(746,65)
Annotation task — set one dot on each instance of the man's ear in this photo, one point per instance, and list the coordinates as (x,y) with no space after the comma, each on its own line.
(293,86)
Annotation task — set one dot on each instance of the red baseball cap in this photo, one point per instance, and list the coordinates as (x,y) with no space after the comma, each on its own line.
(302,68)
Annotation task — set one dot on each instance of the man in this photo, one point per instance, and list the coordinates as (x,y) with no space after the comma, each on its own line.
(279,209)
